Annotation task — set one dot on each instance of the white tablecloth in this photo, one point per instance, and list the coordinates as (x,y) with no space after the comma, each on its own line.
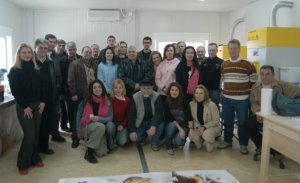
(157,177)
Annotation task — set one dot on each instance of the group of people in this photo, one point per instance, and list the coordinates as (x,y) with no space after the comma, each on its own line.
(118,94)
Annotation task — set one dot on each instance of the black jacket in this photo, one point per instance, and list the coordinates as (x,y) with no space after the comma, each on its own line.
(26,84)
(131,76)
(170,118)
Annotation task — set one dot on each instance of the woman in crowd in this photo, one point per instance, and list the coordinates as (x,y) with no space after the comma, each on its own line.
(188,73)
(120,105)
(177,115)
(206,119)
(97,114)
(107,69)
(25,84)
(165,72)
(121,51)
(154,61)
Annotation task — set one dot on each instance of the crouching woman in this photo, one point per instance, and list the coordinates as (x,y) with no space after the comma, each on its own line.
(97,108)
(206,119)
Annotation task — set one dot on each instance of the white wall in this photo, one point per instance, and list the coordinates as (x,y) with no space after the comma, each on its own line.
(180,21)
(11,17)
(72,25)
(257,15)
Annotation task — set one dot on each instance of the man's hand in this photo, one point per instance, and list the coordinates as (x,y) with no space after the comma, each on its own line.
(259,119)
(120,128)
(137,86)
(74,98)
(181,133)
(28,113)
(41,107)
(151,131)
(133,136)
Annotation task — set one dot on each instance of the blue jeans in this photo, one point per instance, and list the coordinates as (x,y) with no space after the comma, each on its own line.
(214,95)
(141,132)
(172,134)
(241,108)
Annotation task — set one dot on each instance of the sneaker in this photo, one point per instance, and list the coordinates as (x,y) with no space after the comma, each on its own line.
(155,147)
(170,151)
(224,145)
(243,149)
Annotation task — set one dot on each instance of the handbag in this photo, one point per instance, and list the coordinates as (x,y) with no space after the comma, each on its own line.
(286,106)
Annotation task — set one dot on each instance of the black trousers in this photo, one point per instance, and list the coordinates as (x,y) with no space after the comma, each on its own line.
(73,108)
(254,130)
(28,153)
(46,126)
(63,114)
(55,118)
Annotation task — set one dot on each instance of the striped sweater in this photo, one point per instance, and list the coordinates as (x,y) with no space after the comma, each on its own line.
(238,77)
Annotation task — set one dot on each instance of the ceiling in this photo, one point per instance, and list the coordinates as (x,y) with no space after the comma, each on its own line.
(172,5)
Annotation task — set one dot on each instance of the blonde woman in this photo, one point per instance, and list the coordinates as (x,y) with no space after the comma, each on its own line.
(26,86)
(206,119)
(120,105)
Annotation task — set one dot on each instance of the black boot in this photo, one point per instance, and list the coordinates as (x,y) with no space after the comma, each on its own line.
(89,156)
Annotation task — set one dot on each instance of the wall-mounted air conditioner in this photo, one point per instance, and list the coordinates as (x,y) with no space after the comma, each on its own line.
(103,15)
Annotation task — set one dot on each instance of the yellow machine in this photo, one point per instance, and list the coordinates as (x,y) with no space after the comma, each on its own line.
(276,46)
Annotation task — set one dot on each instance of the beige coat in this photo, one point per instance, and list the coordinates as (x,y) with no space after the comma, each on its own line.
(211,117)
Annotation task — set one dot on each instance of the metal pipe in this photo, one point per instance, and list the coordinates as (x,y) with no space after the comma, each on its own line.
(233,27)
(280,4)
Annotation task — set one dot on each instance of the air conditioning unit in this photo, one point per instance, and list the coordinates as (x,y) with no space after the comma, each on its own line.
(103,15)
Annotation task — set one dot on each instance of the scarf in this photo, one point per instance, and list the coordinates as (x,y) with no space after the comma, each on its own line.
(103,105)
(88,109)
(193,77)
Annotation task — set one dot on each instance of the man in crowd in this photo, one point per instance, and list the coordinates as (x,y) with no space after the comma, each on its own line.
(211,73)
(111,43)
(95,53)
(238,76)
(133,70)
(144,54)
(254,123)
(81,72)
(146,116)
(201,54)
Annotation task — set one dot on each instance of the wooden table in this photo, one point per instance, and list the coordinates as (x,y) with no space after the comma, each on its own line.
(283,135)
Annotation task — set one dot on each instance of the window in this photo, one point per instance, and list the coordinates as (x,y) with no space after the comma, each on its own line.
(6,60)
(191,39)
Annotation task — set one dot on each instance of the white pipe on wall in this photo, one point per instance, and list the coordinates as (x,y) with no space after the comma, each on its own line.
(280,4)
(233,27)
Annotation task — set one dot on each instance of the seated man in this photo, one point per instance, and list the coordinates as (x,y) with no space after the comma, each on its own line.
(146,115)
(254,123)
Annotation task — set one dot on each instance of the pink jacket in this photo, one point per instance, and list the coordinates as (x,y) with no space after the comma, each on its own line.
(165,74)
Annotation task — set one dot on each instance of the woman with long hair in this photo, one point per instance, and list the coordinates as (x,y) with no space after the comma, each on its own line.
(97,114)
(26,86)
(188,74)
(206,119)
(120,105)
(107,69)
(177,115)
